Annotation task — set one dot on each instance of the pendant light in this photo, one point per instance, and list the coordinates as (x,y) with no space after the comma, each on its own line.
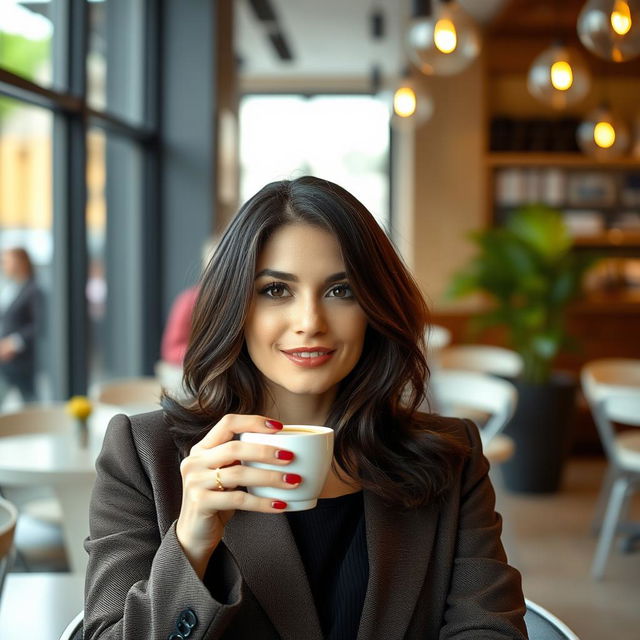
(412,104)
(611,28)
(602,134)
(559,76)
(442,38)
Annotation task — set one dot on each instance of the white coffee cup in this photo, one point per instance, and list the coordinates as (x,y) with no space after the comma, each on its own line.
(312,447)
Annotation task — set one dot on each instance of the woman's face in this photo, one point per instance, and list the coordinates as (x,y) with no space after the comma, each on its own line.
(305,330)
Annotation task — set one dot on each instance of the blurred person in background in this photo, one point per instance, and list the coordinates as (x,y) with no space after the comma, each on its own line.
(178,328)
(21,310)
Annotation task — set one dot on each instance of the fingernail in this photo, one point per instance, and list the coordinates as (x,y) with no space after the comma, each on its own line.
(284,455)
(278,504)
(292,478)
(274,424)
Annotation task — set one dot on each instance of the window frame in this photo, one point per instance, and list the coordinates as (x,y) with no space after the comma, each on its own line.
(73,117)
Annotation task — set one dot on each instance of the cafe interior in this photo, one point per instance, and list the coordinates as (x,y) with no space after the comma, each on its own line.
(497,143)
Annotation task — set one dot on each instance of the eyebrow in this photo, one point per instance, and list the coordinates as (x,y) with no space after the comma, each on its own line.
(290,277)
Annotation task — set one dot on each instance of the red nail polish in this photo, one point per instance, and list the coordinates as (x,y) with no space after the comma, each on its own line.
(274,424)
(284,455)
(278,504)
(292,478)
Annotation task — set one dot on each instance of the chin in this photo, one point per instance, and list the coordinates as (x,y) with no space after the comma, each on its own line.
(306,389)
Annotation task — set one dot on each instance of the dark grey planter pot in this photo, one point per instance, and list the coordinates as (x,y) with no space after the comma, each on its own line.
(542,429)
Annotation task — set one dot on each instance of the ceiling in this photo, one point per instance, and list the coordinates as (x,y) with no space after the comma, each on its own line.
(328,39)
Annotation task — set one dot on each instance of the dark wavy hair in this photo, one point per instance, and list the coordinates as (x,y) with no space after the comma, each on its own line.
(405,457)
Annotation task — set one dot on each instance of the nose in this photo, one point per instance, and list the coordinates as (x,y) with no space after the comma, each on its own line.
(309,316)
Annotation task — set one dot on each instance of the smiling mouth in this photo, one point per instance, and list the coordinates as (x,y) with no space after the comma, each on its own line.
(308,354)
(309,359)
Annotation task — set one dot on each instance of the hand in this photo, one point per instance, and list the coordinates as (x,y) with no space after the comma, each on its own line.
(7,349)
(205,508)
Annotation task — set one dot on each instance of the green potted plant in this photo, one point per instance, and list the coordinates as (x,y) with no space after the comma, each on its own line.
(529,273)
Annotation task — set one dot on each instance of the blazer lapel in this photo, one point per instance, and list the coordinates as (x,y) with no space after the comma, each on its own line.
(263,545)
(399,545)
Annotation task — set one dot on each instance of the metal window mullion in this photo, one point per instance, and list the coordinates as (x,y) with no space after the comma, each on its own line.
(150,196)
(76,237)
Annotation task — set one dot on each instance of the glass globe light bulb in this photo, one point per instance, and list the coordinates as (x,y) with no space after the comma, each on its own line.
(621,17)
(404,102)
(444,36)
(559,77)
(611,28)
(602,134)
(444,43)
(411,104)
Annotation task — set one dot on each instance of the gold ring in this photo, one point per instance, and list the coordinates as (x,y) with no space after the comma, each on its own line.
(218,480)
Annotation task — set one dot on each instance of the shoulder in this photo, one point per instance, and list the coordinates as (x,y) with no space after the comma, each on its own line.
(147,433)
(462,430)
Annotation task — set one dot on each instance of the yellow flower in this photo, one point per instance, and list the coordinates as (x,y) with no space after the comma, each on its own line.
(79,407)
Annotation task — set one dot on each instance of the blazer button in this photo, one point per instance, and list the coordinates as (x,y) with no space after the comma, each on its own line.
(186,621)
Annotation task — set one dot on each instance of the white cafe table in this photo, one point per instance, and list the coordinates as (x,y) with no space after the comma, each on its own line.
(55,460)
(39,605)
(58,461)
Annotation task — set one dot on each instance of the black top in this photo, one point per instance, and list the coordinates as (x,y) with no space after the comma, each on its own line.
(332,544)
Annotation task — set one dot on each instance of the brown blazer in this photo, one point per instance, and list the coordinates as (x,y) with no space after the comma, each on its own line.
(435,572)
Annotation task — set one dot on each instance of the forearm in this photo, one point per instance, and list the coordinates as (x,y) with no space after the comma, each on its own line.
(151,607)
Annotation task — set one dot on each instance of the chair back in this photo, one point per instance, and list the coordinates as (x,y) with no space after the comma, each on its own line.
(36,419)
(143,391)
(483,358)
(170,377)
(73,630)
(457,392)
(612,390)
(8,519)
(437,337)
(543,625)
(598,377)
(623,406)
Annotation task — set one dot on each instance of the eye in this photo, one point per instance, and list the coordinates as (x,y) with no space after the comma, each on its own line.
(340,291)
(275,290)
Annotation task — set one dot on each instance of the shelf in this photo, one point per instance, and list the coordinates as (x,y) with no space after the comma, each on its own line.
(610,240)
(550,159)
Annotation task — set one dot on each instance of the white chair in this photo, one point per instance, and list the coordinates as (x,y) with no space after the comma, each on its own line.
(497,361)
(8,520)
(132,394)
(483,358)
(74,628)
(436,337)
(612,389)
(37,419)
(467,393)
(543,625)
(170,377)
(39,537)
(490,402)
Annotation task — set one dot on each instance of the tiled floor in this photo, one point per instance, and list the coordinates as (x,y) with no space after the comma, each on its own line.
(553,548)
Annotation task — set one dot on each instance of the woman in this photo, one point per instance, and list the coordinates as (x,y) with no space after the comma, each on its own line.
(405,542)
(21,325)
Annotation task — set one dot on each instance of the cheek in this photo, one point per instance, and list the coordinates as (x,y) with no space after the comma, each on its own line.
(262,330)
(354,327)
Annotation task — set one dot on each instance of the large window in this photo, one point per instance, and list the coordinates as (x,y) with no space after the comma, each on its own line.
(26,224)
(78,147)
(343,138)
